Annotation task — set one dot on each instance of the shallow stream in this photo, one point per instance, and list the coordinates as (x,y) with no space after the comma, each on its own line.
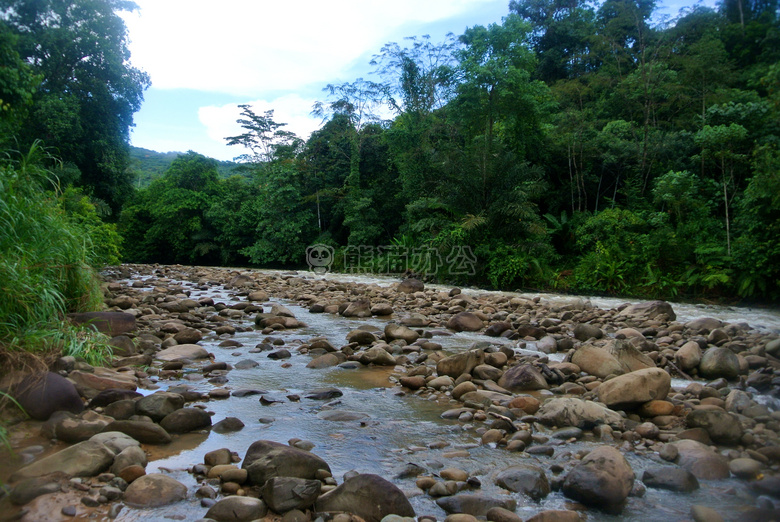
(396,429)
(391,429)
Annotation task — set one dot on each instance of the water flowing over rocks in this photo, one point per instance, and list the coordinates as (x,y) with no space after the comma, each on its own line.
(401,400)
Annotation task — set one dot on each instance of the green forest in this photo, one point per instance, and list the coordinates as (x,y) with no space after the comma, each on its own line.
(575,147)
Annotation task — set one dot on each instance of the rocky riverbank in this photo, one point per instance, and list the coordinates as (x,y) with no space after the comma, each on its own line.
(566,395)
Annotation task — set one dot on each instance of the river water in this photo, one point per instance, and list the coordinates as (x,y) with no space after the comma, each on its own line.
(396,429)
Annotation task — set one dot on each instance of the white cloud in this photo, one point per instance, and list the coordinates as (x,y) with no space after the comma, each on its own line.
(248,47)
(292,109)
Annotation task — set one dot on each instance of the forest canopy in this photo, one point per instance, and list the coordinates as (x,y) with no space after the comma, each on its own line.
(575,146)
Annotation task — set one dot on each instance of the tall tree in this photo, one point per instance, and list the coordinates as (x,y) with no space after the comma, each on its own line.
(84,107)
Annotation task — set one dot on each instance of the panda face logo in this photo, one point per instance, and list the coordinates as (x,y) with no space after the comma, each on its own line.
(319,258)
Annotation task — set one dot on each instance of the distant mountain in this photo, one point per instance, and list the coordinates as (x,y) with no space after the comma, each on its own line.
(150,165)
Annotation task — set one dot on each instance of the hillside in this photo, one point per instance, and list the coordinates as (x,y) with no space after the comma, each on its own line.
(150,165)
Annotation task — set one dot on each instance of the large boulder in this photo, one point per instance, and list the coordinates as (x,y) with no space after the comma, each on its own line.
(700,460)
(368,496)
(523,377)
(142,431)
(283,494)
(704,324)
(688,356)
(629,357)
(154,490)
(130,456)
(376,355)
(395,331)
(460,363)
(185,420)
(465,322)
(670,477)
(42,394)
(649,311)
(85,459)
(410,286)
(596,361)
(722,427)
(159,404)
(526,479)
(475,504)
(569,411)
(75,428)
(237,509)
(359,308)
(603,479)
(635,388)
(266,459)
(585,331)
(182,352)
(719,362)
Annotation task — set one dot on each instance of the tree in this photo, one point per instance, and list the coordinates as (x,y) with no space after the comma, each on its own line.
(263,138)
(359,102)
(561,36)
(722,144)
(85,104)
(167,221)
(18,84)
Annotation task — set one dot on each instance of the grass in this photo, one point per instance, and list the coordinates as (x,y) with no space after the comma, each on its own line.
(46,270)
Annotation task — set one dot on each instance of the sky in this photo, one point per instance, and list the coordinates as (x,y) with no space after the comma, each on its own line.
(274,55)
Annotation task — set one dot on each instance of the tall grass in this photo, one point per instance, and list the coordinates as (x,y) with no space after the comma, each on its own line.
(45,261)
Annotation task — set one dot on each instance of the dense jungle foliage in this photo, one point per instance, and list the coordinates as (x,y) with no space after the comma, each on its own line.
(575,147)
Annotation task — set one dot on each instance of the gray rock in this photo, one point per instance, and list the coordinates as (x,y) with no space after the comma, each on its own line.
(597,361)
(526,479)
(719,362)
(603,479)
(700,460)
(359,308)
(185,420)
(182,352)
(475,504)
(410,286)
(672,478)
(368,496)
(266,459)
(228,425)
(30,489)
(376,355)
(395,331)
(721,426)
(154,490)
(130,456)
(237,509)
(465,322)
(116,441)
(523,377)
(584,331)
(142,431)
(652,310)
(688,356)
(635,388)
(458,364)
(569,411)
(159,404)
(85,459)
(283,494)
(40,395)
